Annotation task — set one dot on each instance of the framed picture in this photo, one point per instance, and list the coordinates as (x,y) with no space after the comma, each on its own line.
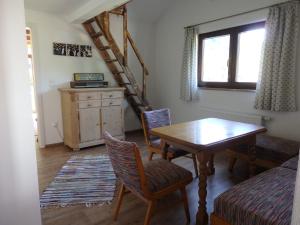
(73,50)
(59,49)
(86,51)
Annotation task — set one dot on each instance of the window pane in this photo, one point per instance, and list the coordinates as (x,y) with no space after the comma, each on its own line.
(249,55)
(215,59)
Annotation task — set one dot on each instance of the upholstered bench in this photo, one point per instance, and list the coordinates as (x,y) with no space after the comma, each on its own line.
(270,151)
(266,199)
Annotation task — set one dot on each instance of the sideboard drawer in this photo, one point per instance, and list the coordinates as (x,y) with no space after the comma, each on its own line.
(89,104)
(112,94)
(88,96)
(112,102)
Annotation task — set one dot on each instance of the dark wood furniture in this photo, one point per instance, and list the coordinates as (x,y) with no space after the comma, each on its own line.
(160,118)
(204,138)
(270,152)
(149,182)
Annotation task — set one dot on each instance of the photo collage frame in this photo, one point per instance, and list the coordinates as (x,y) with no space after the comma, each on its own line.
(75,50)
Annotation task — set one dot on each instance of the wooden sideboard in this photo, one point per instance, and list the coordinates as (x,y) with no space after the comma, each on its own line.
(87,113)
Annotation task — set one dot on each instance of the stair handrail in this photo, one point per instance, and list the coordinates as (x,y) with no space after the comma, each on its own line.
(126,38)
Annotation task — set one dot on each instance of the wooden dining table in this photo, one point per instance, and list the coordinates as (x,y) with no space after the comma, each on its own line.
(205,138)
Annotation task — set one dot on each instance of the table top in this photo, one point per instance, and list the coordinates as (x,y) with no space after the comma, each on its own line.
(206,132)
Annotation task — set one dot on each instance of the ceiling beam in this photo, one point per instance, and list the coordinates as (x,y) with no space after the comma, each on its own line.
(93,8)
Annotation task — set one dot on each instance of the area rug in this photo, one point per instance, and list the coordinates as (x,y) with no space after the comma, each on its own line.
(83,180)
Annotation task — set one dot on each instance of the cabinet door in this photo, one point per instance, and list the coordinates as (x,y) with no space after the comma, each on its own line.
(89,120)
(112,120)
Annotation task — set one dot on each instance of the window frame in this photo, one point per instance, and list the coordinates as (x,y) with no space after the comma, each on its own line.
(233,52)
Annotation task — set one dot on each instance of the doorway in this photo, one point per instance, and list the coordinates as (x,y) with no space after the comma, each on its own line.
(32,82)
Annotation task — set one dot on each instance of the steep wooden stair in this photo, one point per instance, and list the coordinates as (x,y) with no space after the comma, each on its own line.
(98,29)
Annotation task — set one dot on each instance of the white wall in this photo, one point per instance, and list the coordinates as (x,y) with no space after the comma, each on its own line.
(19,199)
(53,71)
(169,53)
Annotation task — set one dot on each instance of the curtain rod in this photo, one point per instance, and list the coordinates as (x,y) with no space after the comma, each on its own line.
(239,14)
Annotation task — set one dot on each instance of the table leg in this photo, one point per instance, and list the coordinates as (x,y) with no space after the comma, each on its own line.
(202,216)
(252,158)
(211,164)
(164,148)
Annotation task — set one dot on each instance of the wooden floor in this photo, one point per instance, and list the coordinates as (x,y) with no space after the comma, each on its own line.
(168,212)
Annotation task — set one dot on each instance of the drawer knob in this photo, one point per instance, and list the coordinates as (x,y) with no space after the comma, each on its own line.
(89,105)
(89,97)
(110,96)
(110,103)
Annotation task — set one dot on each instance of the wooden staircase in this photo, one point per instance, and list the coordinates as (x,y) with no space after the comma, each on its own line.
(98,28)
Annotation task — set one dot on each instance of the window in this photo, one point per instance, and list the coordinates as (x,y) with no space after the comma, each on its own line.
(231,58)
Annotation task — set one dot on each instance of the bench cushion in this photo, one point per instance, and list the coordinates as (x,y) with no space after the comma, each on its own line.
(291,164)
(276,149)
(161,174)
(266,199)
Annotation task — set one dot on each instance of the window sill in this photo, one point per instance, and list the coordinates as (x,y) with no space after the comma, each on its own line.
(227,89)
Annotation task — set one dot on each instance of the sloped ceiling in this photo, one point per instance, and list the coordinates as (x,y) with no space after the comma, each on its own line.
(79,10)
(149,10)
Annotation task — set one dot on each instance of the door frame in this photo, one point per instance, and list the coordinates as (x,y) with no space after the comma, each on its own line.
(37,86)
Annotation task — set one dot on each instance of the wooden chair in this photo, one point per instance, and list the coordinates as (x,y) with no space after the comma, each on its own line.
(160,118)
(150,182)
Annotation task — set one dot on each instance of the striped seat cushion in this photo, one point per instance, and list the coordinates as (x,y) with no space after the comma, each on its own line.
(161,174)
(291,164)
(266,199)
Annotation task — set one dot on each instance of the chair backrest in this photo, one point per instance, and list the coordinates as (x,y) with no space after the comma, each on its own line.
(154,119)
(127,163)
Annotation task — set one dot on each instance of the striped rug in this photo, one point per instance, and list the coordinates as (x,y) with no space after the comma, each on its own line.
(83,180)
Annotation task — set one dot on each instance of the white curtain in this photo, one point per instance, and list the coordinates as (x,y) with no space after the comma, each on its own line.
(296,208)
(277,84)
(189,80)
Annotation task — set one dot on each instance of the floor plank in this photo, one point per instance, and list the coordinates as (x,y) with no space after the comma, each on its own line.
(168,211)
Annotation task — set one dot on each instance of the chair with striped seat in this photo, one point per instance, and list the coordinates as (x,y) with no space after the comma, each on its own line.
(150,182)
(160,118)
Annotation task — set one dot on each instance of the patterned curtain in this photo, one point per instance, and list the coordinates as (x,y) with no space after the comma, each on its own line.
(296,207)
(276,89)
(189,81)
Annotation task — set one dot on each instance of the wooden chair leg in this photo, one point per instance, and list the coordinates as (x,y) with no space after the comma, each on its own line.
(150,156)
(211,164)
(232,162)
(195,165)
(185,204)
(119,201)
(149,213)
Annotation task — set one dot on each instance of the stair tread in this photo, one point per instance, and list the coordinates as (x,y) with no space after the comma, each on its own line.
(89,21)
(111,60)
(96,35)
(104,48)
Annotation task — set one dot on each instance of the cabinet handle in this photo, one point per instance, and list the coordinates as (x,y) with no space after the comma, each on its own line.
(104,123)
(110,96)
(89,105)
(89,97)
(111,103)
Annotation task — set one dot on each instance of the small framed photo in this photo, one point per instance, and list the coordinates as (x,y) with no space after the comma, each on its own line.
(73,50)
(86,51)
(59,49)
